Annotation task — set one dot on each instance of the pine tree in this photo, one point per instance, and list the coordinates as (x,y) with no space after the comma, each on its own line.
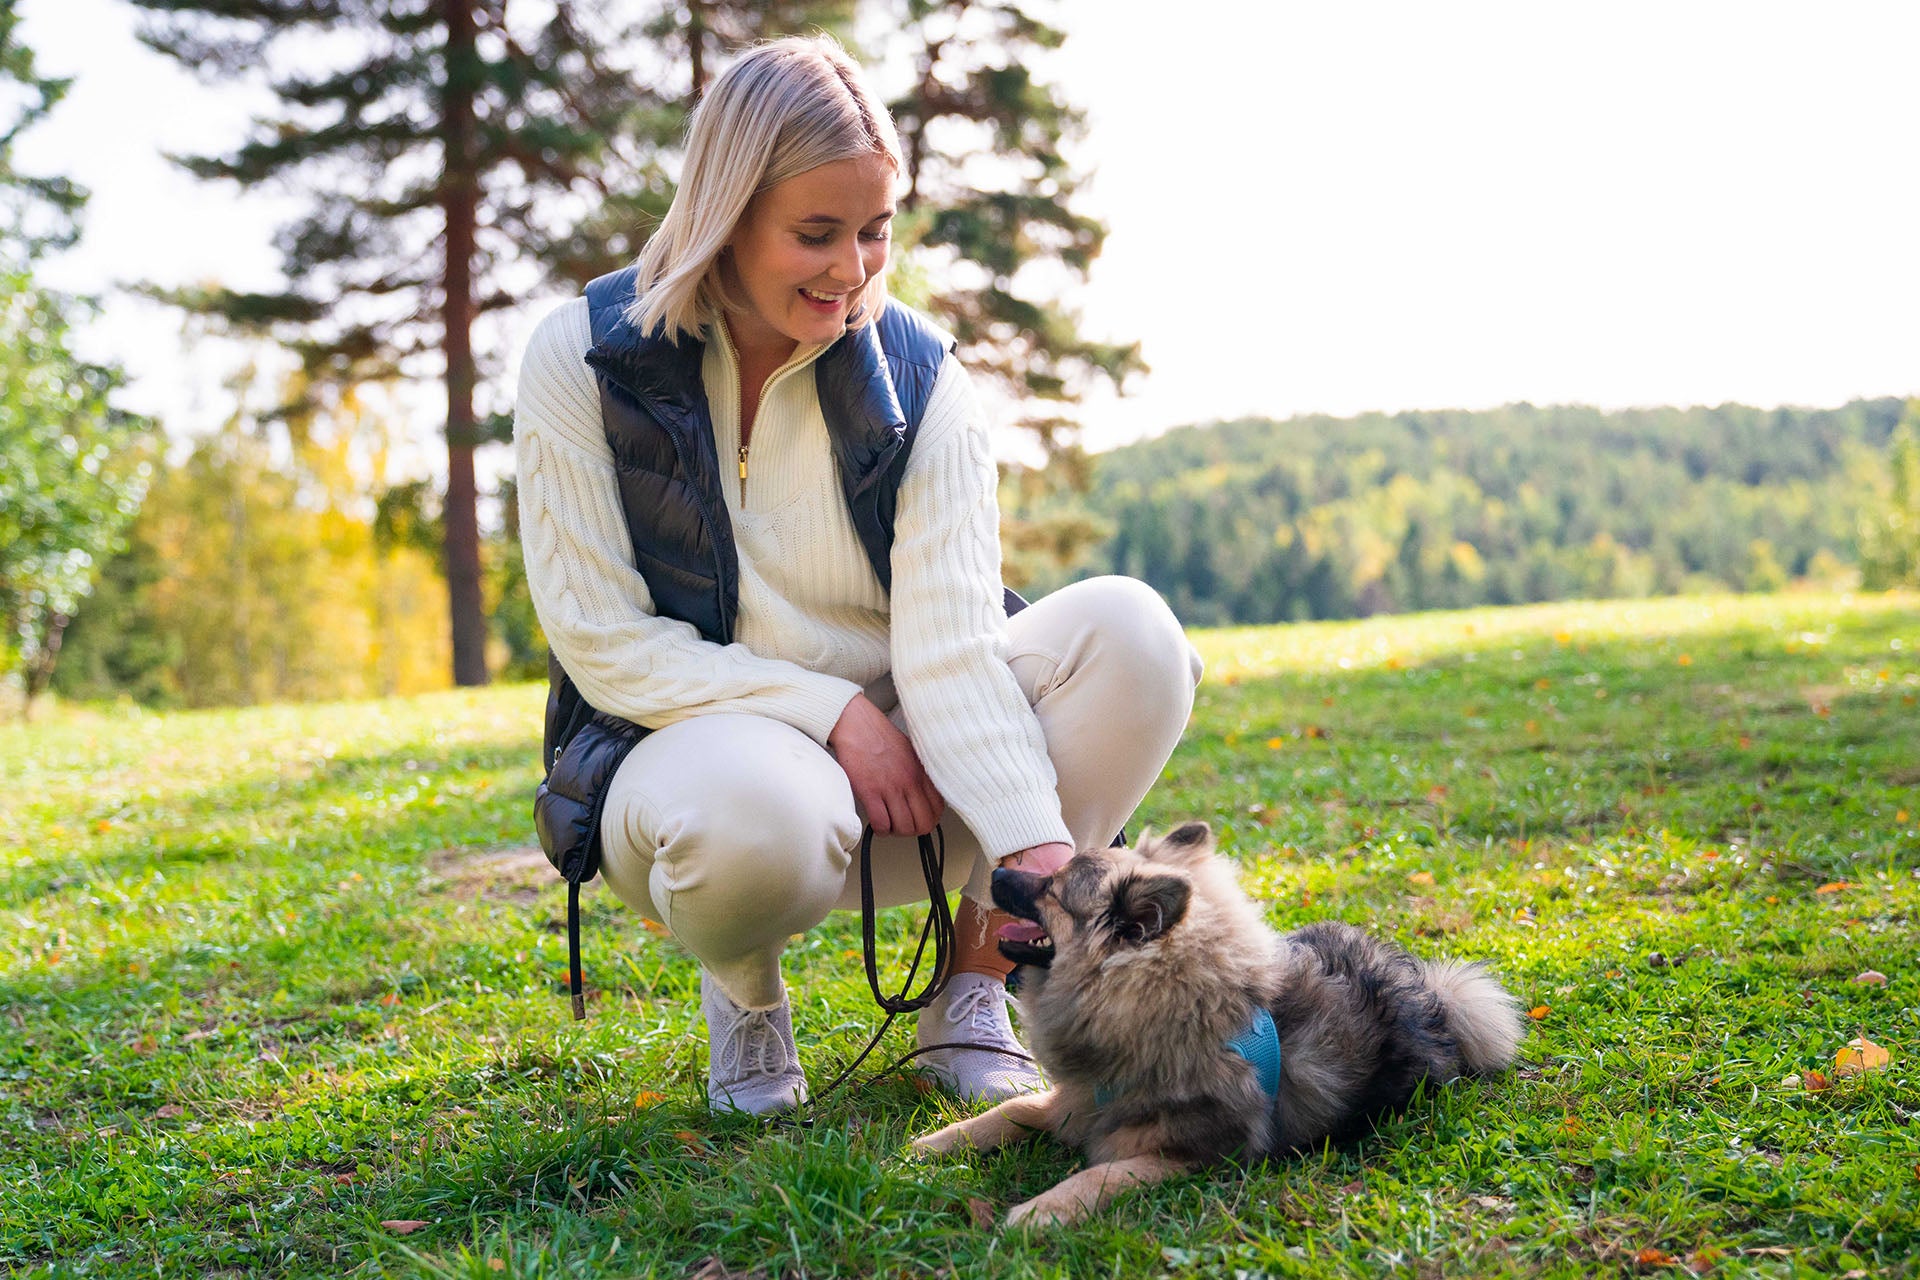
(38,212)
(465,154)
(438,154)
(989,208)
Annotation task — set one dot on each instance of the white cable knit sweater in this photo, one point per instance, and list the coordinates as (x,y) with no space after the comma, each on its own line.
(814,628)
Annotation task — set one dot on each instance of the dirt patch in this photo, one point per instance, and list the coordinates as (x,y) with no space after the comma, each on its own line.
(520,874)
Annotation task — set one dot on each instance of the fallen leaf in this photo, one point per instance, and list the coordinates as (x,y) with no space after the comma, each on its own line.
(1745,742)
(1493,1202)
(1871,978)
(191,1036)
(391,998)
(982,1213)
(1900,816)
(496,1264)
(1274,744)
(648,1098)
(1834,886)
(170,1111)
(1704,1259)
(1685,659)
(1533,726)
(403,1226)
(1814,1082)
(1421,877)
(1653,1257)
(1613,973)
(1353,1188)
(1860,1054)
(1538,1013)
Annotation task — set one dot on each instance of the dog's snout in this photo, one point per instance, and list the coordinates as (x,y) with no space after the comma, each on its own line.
(1015,892)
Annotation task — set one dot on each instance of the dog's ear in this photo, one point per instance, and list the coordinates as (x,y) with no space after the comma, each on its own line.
(1182,845)
(1144,907)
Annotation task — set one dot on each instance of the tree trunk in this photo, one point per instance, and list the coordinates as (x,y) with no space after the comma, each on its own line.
(697,49)
(460,197)
(39,672)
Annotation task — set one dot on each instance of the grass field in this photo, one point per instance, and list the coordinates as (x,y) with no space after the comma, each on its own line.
(272,978)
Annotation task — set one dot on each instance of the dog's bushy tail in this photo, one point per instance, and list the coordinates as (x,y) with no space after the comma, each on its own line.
(1482,1015)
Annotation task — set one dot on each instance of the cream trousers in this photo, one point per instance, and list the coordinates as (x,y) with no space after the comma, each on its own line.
(737,832)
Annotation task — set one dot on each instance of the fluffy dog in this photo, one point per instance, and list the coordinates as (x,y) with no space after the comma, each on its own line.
(1178,1029)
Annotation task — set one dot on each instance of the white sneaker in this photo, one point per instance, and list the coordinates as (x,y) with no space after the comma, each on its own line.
(752,1064)
(973,1008)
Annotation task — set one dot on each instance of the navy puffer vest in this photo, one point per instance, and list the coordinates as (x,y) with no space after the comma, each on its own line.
(873,386)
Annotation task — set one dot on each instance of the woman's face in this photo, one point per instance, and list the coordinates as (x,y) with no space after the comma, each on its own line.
(803,251)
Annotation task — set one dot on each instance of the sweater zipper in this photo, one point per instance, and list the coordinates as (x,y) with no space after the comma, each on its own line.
(743,477)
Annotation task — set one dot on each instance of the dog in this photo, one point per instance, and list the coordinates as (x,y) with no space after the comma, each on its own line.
(1177,1029)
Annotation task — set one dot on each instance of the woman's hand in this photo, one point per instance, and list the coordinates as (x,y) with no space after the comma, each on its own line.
(1041,859)
(891,787)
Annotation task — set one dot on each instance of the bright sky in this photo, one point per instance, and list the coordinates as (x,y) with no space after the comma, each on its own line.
(1314,207)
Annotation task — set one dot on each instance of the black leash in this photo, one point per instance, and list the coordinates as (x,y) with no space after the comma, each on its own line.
(938,929)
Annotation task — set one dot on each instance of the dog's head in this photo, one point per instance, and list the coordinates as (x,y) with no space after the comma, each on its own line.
(1107,903)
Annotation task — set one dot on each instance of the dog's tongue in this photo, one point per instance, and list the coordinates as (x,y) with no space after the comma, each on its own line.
(1021,931)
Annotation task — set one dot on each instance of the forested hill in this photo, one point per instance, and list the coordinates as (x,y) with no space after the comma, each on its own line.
(1316,517)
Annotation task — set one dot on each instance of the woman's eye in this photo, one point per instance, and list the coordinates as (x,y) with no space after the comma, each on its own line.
(878,237)
(813,242)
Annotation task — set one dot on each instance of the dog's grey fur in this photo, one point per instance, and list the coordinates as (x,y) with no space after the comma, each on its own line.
(1157,960)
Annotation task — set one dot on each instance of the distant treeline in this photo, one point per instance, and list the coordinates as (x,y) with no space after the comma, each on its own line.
(1260,521)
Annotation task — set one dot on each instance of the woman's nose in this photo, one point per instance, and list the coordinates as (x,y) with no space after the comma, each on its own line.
(848,266)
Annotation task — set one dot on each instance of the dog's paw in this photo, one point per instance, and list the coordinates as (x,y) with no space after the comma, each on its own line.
(939,1143)
(1043,1211)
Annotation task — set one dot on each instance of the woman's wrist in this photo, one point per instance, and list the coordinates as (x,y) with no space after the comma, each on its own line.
(1039,859)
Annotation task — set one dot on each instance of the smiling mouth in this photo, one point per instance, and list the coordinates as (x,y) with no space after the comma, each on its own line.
(822,299)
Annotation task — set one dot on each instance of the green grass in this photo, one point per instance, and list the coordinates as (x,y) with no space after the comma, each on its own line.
(272,977)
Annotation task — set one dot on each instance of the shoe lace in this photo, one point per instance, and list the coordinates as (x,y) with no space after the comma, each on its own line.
(753,1045)
(978,1012)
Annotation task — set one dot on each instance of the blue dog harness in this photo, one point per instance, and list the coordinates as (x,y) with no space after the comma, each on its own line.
(1258,1042)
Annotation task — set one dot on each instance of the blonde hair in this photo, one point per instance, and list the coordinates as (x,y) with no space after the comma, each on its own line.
(784,108)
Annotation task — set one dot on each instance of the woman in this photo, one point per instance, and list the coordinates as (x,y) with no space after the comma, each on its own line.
(813,635)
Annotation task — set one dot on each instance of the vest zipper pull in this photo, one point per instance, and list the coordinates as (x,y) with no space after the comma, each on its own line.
(743,462)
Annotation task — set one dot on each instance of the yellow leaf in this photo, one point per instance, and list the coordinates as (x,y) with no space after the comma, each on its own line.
(1421,877)
(1533,726)
(1543,683)
(1834,886)
(1653,1258)
(1538,1013)
(1685,659)
(1901,816)
(1813,1081)
(1274,744)
(1861,1054)
(648,1098)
